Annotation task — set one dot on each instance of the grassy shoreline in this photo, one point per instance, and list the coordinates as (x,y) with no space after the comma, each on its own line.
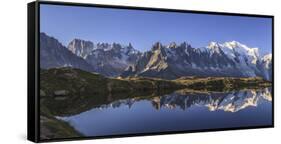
(69,81)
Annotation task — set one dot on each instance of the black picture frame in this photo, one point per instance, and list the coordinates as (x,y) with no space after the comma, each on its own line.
(33,133)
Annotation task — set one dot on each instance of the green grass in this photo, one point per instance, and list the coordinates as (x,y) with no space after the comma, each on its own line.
(222,83)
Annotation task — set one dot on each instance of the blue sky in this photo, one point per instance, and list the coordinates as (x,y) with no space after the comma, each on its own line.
(143,28)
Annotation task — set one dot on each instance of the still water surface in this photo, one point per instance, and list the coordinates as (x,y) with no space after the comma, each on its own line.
(177,111)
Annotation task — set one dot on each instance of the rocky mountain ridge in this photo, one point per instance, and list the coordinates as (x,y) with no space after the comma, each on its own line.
(172,61)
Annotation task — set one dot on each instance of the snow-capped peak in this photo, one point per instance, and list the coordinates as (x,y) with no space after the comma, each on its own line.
(172,45)
(251,54)
(267,57)
(267,60)
(128,49)
(235,49)
(241,48)
(234,44)
(213,45)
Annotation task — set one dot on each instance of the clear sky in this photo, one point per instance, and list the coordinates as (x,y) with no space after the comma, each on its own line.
(143,28)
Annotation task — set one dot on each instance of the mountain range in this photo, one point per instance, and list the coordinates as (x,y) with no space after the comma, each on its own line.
(230,59)
(107,59)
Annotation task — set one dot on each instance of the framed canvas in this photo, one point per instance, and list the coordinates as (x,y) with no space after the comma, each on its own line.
(103,71)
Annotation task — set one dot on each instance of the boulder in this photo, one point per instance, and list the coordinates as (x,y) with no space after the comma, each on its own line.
(42,93)
(61,92)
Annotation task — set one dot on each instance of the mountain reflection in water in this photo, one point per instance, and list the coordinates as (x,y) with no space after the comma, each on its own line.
(180,110)
(229,101)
